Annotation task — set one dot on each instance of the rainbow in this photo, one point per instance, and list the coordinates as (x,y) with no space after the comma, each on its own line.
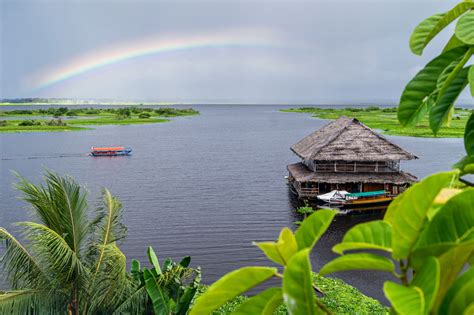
(151,46)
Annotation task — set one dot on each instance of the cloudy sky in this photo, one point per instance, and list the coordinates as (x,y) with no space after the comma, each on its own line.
(320,51)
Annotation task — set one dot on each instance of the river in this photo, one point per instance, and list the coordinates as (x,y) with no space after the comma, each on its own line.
(204,186)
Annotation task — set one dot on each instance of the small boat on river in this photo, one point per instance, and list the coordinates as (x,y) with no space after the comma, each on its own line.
(110,151)
(356,201)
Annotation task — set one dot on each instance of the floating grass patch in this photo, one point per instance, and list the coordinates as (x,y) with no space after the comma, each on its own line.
(385,120)
(339,297)
(52,119)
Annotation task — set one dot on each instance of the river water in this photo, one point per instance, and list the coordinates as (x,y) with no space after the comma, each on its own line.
(205,186)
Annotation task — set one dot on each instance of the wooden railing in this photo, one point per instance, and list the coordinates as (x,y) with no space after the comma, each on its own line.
(305,192)
(355,168)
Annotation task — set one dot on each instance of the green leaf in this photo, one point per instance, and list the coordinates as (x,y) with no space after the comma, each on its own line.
(283,250)
(453,42)
(264,303)
(453,223)
(298,292)
(404,300)
(159,297)
(370,235)
(445,102)
(469,135)
(431,26)
(451,264)
(460,296)
(465,165)
(427,279)
(313,228)
(153,259)
(359,261)
(408,214)
(412,106)
(464,28)
(230,286)
(470,77)
(185,261)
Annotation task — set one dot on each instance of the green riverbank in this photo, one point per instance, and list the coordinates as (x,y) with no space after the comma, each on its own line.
(52,119)
(385,119)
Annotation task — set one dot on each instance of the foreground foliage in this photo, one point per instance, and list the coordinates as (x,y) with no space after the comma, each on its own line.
(69,261)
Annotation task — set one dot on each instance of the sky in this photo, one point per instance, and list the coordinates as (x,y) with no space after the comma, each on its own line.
(226,51)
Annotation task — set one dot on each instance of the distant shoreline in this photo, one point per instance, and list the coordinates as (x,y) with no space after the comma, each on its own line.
(385,120)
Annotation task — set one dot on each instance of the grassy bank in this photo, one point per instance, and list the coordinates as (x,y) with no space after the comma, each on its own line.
(385,119)
(52,119)
(339,297)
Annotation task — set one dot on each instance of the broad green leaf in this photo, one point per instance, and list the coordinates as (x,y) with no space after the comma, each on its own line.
(445,74)
(359,261)
(454,222)
(444,195)
(451,264)
(427,279)
(153,259)
(464,28)
(460,296)
(370,235)
(298,292)
(412,107)
(445,103)
(313,228)
(453,42)
(466,164)
(405,300)
(408,215)
(270,249)
(431,26)
(159,297)
(281,251)
(469,135)
(185,261)
(470,77)
(230,286)
(264,303)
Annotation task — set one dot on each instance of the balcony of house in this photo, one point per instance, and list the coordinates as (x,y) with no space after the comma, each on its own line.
(357,166)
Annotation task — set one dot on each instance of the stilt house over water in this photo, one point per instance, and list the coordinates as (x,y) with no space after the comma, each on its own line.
(347,155)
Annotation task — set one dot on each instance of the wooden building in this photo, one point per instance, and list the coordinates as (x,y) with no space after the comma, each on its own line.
(347,155)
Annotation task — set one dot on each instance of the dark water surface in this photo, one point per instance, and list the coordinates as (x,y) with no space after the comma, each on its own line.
(205,186)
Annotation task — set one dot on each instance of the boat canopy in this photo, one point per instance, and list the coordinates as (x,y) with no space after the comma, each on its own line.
(108,148)
(367,193)
(332,195)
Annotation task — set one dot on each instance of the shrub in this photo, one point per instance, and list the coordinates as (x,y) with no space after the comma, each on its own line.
(29,122)
(3,123)
(56,122)
(354,110)
(144,115)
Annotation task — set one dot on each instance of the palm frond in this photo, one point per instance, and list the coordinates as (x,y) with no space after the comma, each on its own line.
(113,283)
(109,228)
(22,269)
(61,205)
(32,302)
(135,303)
(62,262)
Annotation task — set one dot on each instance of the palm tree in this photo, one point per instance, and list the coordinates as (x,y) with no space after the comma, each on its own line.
(68,262)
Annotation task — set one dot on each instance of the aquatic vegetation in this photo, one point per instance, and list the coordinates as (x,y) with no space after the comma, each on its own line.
(385,120)
(95,116)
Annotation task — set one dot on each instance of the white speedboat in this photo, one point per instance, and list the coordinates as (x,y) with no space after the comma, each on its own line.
(334,197)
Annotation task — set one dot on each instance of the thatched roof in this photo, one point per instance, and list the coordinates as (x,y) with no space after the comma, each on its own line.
(347,139)
(302,174)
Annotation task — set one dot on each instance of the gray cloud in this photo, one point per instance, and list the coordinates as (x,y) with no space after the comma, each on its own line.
(330,51)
